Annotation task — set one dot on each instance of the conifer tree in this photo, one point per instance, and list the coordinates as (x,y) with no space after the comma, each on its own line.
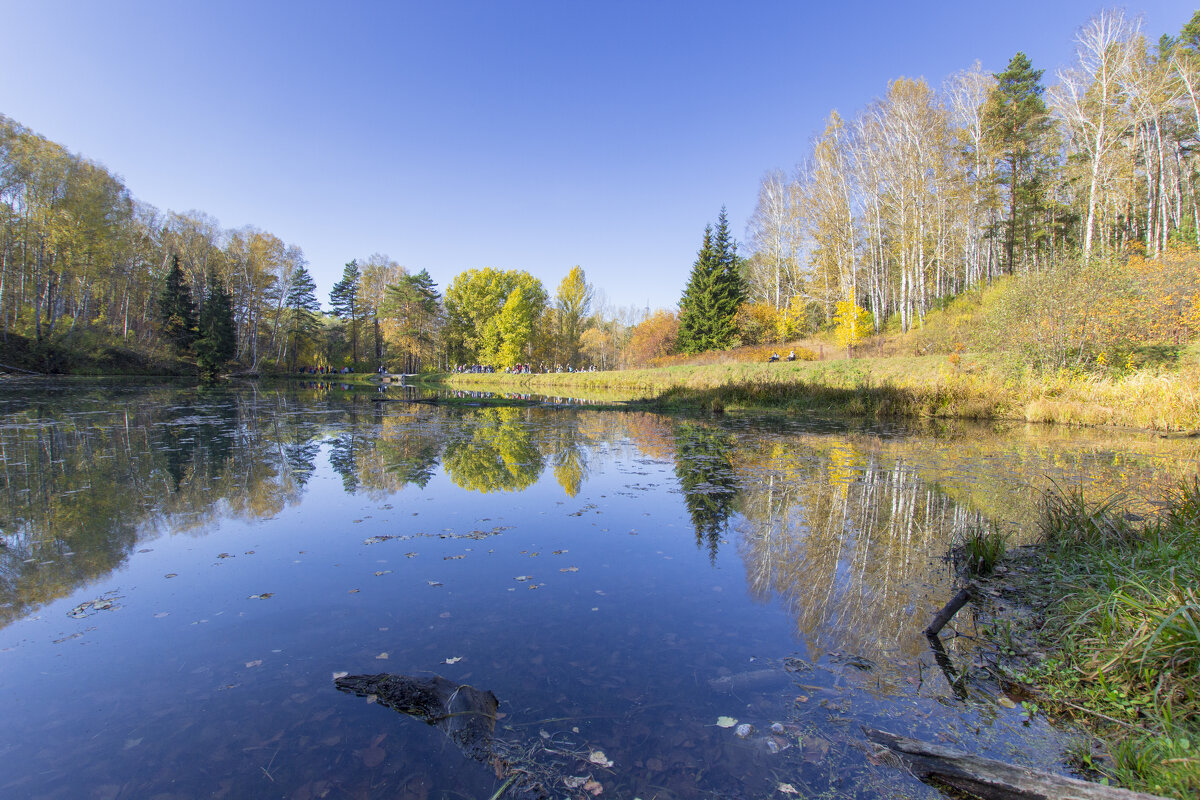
(302,308)
(1017,123)
(708,308)
(177,311)
(217,341)
(344,299)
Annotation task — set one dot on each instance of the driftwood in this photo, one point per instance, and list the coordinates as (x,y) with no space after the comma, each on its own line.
(464,713)
(986,777)
(950,609)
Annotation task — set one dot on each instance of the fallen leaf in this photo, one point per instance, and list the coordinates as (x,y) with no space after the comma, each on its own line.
(594,788)
(381,657)
(161,614)
(787,788)
(256,663)
(569,569)
(453,660)
(598,757)
(575,781)
(523,578)
(382,572)
(726,722)
(262,596)
(337,675)
(452,558)
(352,591)
(434,583)
(1005,701)
(171,575)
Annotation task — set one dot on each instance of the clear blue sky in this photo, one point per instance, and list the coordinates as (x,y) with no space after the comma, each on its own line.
(455,135)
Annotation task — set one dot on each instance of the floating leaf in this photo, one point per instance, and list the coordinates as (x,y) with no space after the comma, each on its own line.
(352,591)
(382,572)
(1005,701)
(262,596)
(787,788)
(598,757)
(161,614)
(594,788)
(337,675)
(453,660)
(171,575)
(410,555)
(434,583)
(559,552)
(744,730)
(575,781)
(568,569)
(452,558)
(381,657)
(255,663)
(224,555)
(726,722)
(523,578)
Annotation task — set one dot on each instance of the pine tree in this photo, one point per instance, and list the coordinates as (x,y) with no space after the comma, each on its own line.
(302,309)
(176,311)
(217,343)
(715,289)
(344,299)
(1017,123)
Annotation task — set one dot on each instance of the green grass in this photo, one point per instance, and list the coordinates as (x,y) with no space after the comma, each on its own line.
(1121,603)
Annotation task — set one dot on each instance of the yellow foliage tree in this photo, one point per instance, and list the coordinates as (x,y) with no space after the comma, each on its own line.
(851,323)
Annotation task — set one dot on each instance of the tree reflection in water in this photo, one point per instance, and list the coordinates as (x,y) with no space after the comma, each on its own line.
(498,452)
(704,466)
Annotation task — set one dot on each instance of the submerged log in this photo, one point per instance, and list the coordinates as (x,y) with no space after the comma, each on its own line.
(986,777)
(464,713)
(950,609)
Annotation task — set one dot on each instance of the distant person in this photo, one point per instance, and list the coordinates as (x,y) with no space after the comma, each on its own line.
(792,355)
(774,357)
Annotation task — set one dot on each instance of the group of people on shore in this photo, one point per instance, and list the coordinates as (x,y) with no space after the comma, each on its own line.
(775,357)
(521,369)
(323,370)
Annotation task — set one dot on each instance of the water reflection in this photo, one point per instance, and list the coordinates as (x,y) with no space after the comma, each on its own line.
(680,565)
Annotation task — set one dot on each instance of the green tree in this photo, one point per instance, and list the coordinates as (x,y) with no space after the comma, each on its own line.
(217,343)
(1017,123)
(572,304)
(474,302)
(715,290)
(302,309)
(409,317)
(177,311)
(344,300)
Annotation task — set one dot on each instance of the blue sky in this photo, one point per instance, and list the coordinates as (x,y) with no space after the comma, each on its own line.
(516,135)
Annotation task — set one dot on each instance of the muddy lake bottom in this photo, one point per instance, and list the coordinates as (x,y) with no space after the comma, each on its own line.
(664,607)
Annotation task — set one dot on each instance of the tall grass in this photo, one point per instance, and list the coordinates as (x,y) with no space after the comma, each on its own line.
(1123,617)
(968,387)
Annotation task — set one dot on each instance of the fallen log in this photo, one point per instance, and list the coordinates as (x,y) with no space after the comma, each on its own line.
(464,713)
(988,778)
(950,609)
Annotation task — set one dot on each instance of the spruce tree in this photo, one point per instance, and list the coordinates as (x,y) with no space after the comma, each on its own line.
(715,289)
(176,311)
(344,299)
(217,344)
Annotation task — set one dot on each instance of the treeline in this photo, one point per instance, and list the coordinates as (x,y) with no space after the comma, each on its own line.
(84,267)
(926,193)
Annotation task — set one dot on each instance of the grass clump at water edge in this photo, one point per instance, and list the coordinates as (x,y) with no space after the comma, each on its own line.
(1121,608)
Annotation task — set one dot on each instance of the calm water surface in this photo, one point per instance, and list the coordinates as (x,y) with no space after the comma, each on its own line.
(183,572)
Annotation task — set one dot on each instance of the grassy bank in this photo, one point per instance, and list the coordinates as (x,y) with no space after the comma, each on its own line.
(1160,398)
(1117,611)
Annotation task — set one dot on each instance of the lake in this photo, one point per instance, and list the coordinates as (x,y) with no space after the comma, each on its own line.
(185,570)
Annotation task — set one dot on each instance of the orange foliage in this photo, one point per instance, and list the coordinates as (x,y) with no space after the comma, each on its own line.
(651,339)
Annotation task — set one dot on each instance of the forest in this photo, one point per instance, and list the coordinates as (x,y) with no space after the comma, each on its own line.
(1068,199)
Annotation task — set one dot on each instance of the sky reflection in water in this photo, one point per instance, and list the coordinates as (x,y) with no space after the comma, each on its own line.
(185,570)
